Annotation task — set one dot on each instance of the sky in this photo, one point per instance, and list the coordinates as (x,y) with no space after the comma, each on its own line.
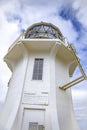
(70,16)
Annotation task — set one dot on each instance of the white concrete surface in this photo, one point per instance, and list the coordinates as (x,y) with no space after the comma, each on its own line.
(38,101)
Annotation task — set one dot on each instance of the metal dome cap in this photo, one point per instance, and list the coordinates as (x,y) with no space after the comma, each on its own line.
(43,30)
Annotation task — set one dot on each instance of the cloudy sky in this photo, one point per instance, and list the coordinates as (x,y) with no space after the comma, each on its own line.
(69,15)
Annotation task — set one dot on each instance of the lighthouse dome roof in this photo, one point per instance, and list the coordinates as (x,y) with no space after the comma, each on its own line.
(43,30)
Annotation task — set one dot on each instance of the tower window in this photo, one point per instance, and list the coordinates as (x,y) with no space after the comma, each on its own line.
(38,69)
(35,126)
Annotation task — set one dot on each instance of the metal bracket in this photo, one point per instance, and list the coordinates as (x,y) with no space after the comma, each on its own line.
(79,79)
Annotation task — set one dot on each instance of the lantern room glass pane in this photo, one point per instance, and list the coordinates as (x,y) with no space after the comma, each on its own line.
(43,31)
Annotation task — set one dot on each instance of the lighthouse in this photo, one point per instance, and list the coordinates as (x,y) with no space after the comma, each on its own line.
(39,90)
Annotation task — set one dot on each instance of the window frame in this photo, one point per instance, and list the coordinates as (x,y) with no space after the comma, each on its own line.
(38,69)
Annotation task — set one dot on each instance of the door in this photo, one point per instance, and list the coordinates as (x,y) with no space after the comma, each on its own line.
(33,119)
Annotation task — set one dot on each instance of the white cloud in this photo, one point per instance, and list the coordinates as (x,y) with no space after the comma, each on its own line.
(77,94)
(81,6)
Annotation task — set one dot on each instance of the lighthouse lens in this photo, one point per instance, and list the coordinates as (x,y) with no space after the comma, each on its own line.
(43,30)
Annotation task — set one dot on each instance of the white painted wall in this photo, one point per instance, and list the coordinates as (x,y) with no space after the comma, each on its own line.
(30,100)
(38,85)
(12,103)
(40,88)
(65,112)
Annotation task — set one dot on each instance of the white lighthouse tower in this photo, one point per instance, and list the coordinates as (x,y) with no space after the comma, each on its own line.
(39,95)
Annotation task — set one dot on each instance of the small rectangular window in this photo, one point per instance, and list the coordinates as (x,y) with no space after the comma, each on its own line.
(35,126)
(38,69)
(40,127)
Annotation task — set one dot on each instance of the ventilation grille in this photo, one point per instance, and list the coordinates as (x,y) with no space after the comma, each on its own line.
(35,126)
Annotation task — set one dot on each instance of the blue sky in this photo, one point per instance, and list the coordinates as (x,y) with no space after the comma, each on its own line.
(69,16)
